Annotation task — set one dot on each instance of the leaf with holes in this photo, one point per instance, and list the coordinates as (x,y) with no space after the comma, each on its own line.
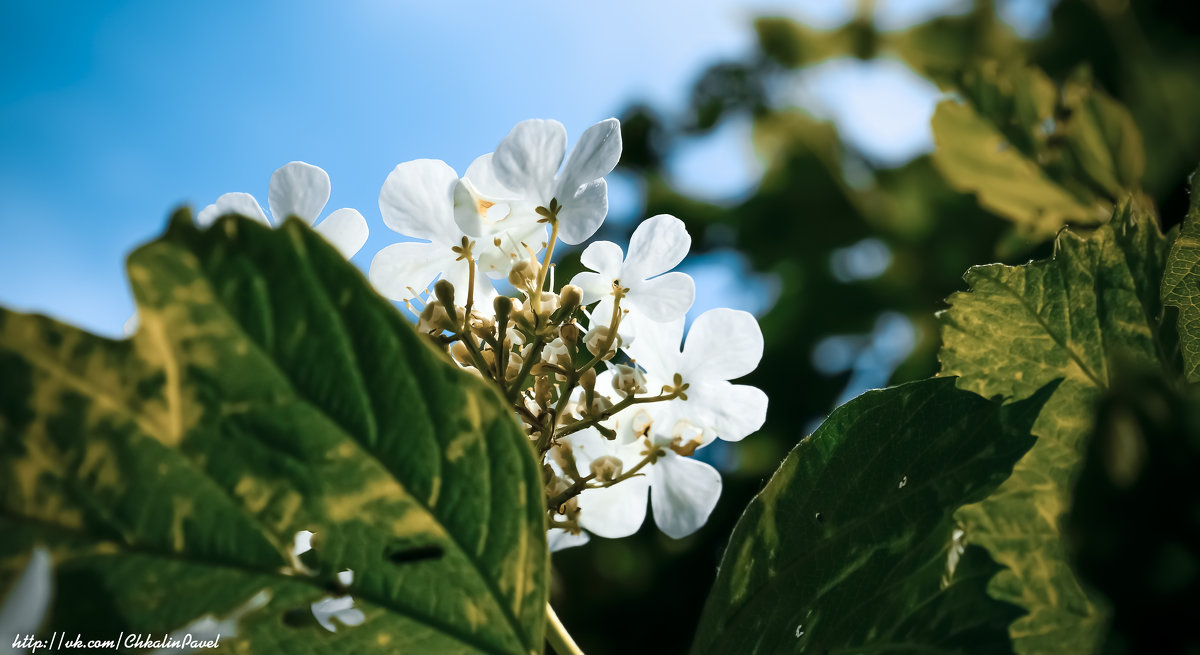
(268,390)
(1074,317)
(851,547)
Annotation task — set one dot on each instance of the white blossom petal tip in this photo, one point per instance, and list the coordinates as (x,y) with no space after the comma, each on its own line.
(298,189)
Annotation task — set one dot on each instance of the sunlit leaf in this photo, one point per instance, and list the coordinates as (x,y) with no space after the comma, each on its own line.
(268,390)
(1040,157)
(1181,286)
(852,547)
(1072,318)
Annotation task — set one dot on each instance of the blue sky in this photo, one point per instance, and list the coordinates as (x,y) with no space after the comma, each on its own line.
(116,112)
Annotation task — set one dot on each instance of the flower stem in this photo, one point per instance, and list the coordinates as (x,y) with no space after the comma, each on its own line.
(549,253)
(608,413)
(560,640)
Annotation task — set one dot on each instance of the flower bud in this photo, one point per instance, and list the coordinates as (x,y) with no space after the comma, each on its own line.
(556,354)
(444,291)
(515,360)
(503,305)
(628,380)
(600,404)
(434,319)
(544,302)
(597,337)
(606,468)
(461,354)
(569,333)
(542,387)
(587,380)
(523,274)
(570,297)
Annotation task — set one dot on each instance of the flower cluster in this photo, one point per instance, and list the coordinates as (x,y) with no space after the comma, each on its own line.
(614,401)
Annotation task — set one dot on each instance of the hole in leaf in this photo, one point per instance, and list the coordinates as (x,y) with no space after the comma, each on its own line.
(298,618)
(413,554)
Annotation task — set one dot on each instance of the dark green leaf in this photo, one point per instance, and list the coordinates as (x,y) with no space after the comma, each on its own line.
(852,548)
(268,390)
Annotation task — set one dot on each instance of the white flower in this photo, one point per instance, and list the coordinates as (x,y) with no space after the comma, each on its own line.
(523,174)
(301,190)
(485,210)
(417,200)
(24,609)
(341,608)
(683,490)
(657,245)
(723,345)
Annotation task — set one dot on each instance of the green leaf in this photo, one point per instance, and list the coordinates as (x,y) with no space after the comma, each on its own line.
(1181,286)
(851,547)
(1040,157)
(268,390)
(1134,527)
(1070,317)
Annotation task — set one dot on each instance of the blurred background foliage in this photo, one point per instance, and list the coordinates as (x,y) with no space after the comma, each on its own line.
(861,254)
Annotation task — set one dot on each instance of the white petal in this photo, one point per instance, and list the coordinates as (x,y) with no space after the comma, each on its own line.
(560,539)
(24,608)
(242,204)
(403,271)
(604,257)
(346,578)
(657,347)
(723,344)
(616,511)
(658,244)
(666,297)
(583,213)
(470,210)
(528,158)
(298,189)
(351,617)
(482,175)
(302,542)
(731,411)
(685,492)
(341,608)
(346,229)
(595,156)
(594,285)
(417,199)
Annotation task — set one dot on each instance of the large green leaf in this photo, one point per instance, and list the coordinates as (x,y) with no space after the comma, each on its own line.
(1181,286)
(1038,156)
(268,390)
(1070,317)
(851,547)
